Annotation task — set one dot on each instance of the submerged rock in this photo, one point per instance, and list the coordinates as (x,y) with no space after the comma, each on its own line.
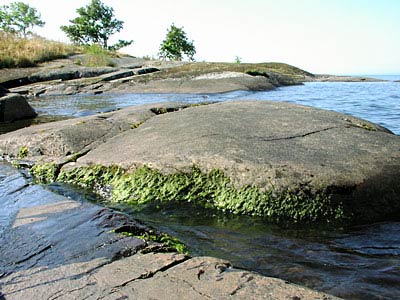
(285,162)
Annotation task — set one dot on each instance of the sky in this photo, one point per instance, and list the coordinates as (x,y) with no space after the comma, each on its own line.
(321,36)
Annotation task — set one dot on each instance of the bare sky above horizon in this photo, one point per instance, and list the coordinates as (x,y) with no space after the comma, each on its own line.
(320,36)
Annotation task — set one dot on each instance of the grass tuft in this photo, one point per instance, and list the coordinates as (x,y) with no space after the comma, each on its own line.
(96,56)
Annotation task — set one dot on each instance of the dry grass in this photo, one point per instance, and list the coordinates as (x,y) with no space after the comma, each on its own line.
(96,56)
(27,52)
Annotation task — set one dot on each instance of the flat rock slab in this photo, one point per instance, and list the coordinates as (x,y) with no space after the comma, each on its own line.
(52,247)
(56,141)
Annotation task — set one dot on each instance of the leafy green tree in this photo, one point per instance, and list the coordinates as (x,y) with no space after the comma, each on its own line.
(176,44)
(94,25)
(19,17)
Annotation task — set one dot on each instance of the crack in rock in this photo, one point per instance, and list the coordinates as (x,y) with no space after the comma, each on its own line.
(242,285)
(273,139)
(151,274)
(34,254)
(19,189)
(57,294)
(191,286)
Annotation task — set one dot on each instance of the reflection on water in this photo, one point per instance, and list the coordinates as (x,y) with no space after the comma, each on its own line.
(354,263)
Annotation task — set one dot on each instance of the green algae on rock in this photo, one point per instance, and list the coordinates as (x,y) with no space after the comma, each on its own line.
(213,190)
(45,173)
(168,243)
(23,152)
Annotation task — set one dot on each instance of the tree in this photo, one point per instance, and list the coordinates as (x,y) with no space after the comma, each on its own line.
(176,44)
(95,24)
(19,17)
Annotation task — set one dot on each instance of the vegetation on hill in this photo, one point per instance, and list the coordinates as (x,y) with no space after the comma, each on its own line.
(176,44)
(26,52)
(19,18)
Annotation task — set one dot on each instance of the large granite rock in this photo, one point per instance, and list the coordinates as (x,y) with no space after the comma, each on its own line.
(54,248)
(14,107)
(219,82)
(285,162)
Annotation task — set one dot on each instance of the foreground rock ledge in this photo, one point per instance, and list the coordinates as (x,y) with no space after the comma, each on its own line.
(54,248)
(282,161)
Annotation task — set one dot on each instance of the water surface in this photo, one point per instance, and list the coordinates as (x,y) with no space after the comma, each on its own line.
(378,102)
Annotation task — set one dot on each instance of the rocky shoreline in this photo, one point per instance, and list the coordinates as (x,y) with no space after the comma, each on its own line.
(132,75)
(287,163)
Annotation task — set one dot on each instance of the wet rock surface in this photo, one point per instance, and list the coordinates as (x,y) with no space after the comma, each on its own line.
(54,247)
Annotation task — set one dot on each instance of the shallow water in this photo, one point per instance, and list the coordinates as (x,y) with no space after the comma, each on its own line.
(360,262)
(378,102)
(353,263)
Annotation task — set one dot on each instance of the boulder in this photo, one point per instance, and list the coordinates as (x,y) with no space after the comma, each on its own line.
(14,107)
(285,162)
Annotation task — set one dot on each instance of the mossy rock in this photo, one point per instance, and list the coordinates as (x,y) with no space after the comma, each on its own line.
(214,190)
(45,173)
